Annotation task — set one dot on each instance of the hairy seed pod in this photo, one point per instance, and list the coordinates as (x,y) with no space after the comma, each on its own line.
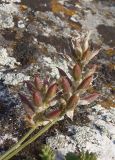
(53,114)
(85,57)
(89,99)
(26,101)
(86,42)
(51,93)
(63,74)
(77,72)
(72,102)
(37,98)
(38,83)
(85,83)
(65,85)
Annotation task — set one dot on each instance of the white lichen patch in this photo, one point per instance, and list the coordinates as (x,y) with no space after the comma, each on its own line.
(6,60)
(11,1)
(48,62)
(21,24)
(7,136)
(63,144)
(10,62)
(6,14)
(14,78)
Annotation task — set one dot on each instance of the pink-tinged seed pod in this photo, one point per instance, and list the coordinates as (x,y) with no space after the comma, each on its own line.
(51,93)
(77,72)
(85,83)
(54,114)
(85,57)
(37,98)
(63,74)
(72,102)
(89,99)
(29,108)
(86,42)
(65,85)
(38,83)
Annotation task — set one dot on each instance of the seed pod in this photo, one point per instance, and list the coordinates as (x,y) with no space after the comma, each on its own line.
(38,83)
(89,99)
(77,72)
(26,102)
(54,114)
(72,102)
(85,83)
(51,93)
(63,74)
(37,98)
(66,85)
(86,42)
(85,57)
(78,47)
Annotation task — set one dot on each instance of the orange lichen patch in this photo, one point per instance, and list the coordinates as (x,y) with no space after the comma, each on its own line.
(74,25)
(110,51)
(23,8)
(57,7)
(111,66)
(107,103)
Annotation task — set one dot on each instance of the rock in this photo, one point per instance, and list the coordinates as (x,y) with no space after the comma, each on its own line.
(98,137)
(6,15)
(61,143)
(6,60)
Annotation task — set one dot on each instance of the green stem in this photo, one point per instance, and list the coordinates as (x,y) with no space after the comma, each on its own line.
(42,131)
(18,143)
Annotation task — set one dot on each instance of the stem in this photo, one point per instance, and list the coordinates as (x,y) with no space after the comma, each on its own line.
(42,131)
(19,143)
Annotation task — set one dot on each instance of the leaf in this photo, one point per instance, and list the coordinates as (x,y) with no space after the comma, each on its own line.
(85,83)
(70,114)
(71,156)
(38,83)
(94,53)
(91,71)
(89,99)
(37,98)
(47,153)
(87,56)
(51,93)
(77,72)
